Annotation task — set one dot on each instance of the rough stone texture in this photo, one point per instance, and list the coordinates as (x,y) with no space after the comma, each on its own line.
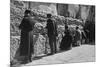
(85,12)
(62,9)
(47,7)
(14,45)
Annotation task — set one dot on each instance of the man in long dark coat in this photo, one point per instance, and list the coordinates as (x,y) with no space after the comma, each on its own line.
(26,27)
(52,33)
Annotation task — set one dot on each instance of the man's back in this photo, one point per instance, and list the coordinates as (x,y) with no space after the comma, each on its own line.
(51,27)
(26,24)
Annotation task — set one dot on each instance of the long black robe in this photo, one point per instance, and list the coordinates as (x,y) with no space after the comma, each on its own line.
(66,41)
(26,27)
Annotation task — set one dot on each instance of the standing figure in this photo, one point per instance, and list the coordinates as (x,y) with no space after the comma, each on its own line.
(67,40)
(26,27)
(52,33)
(77,37)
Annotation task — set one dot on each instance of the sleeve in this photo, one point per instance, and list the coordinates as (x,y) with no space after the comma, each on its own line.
(56,29)
(32,22)
(21,25)
(47,25)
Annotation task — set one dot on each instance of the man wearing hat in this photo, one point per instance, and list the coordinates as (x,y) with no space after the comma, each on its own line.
(26,27)
(52,33)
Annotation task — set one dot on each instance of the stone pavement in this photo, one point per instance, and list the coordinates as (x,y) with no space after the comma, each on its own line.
(84,53)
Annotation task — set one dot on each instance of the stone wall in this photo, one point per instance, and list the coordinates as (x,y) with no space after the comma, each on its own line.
(17,9)
(83,12)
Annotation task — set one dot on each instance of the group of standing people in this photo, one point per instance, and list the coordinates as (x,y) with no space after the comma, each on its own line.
(26,44)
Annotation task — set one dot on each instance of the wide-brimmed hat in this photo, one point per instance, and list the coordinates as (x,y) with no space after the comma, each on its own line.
(49,15)
(27,11)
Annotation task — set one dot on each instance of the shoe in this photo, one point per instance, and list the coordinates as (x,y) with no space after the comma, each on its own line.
(55,51)
(30,60)
(50,54)
(24,62)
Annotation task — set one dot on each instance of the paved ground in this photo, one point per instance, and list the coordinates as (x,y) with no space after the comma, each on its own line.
(84,53)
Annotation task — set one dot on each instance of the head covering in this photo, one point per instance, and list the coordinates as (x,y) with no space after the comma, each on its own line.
(77,27)
(27,11)
(66,26)
(49,15)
